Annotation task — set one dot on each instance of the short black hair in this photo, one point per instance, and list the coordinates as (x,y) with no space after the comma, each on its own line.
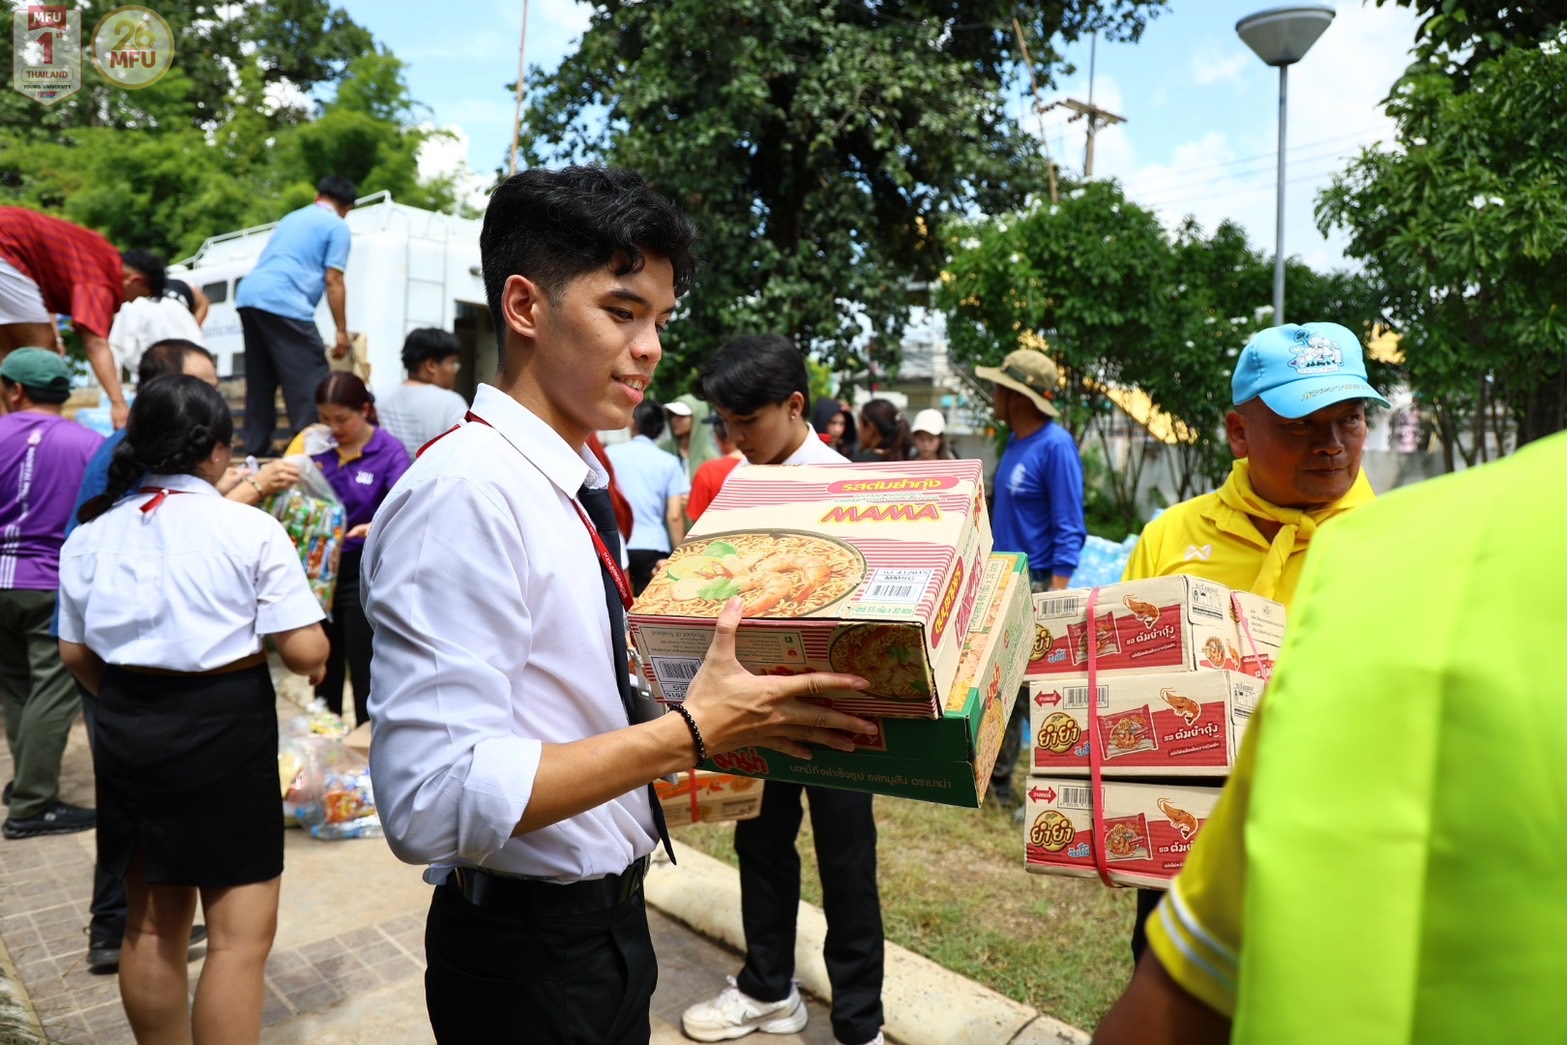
(553,226)
(648,419)
(151,268)
(753,371)
(428,343)
(41,396)
(166,357)
(338,189)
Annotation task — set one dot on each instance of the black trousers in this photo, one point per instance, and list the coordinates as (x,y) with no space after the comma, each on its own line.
(845,834)
(582,979)
(109,910)
(1011,746)
(348,631)
(279,350)
(642,562)
(1147,900)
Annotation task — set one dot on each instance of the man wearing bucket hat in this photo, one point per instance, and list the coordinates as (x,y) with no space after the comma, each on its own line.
(1038,503)
(1297,430)
(42,459)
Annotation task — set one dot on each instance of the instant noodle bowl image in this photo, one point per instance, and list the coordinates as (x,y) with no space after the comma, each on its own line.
(885,655)
(1145,830)
(1126,839)
(778,573)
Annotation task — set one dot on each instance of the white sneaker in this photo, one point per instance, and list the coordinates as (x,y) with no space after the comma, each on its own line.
(734,1014)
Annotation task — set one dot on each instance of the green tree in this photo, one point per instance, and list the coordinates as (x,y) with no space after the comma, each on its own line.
(1456,37)
(821,147)
(1463,224)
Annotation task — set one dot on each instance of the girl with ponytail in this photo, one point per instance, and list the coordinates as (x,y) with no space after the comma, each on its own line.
(166,593)
(884,433)
(363,462)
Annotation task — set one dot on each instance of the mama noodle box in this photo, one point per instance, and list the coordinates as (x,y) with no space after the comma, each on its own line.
(868,569)
(1183,723)
(700,797)
(1149,828)
(948,759)
(1166,623)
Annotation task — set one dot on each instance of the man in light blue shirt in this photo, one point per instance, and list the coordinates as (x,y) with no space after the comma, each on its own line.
(304,259)
(654,482)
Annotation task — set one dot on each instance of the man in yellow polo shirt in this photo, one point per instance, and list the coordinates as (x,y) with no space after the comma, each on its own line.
(1297,430)
(1385,865)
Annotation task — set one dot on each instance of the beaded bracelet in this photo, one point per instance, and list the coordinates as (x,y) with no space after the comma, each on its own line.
(696,734)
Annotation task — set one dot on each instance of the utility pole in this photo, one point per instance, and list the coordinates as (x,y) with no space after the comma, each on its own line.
(1039,107)
(1097,118)
(522,69)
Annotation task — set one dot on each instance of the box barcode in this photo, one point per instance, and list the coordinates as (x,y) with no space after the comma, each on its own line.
(1061,606)
(1077,696)
(891,592)
(676,669)
(1077,797)
(897,586)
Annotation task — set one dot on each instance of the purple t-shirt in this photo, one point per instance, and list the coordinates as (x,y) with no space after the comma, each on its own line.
(42,461)
(363,483)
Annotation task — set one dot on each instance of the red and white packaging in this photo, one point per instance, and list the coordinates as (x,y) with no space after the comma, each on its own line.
(1147,829)
(1164,624)
(1172,724)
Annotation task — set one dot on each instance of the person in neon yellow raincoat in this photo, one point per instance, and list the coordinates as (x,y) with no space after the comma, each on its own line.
(1388,863)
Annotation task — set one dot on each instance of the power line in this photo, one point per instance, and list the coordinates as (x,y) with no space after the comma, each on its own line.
(1243,190)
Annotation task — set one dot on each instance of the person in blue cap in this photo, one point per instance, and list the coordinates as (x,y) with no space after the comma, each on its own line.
(1297,429)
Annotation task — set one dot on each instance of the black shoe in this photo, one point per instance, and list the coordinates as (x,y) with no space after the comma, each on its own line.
(1004,795)
(60,818)
(5,795)
(103,954)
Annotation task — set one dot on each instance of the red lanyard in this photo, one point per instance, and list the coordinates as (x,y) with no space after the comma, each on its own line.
(161,493)
(616,574)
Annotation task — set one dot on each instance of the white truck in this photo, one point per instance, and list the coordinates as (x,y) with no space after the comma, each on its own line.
(408,268)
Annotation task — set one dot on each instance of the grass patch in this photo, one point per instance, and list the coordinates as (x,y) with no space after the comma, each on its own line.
(953,889)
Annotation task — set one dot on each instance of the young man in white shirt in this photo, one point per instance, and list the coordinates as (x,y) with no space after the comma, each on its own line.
(424,406)
(760,388)
(499,696)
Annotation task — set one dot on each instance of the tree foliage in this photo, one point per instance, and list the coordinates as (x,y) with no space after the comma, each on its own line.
(1463,223)
(230,137)
(822,147)
(1456,37)
(1119,302)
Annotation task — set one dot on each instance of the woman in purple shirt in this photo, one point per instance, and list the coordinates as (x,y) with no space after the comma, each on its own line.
(363,467)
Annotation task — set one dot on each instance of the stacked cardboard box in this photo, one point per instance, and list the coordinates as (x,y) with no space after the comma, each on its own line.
(1181,664)
(883,571)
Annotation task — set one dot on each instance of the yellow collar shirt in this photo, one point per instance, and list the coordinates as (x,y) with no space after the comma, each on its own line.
(1213,536)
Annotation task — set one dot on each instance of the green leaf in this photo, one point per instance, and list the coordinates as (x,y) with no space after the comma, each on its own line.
(723,588)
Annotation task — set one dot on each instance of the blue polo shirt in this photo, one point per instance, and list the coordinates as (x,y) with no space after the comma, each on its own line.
(648,477)
(291,275)
(1039,501)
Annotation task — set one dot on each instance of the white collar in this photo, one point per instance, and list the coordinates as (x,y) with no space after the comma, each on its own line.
(181,483)
(544,448)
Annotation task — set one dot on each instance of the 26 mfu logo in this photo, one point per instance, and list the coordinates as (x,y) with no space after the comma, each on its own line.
(132,46)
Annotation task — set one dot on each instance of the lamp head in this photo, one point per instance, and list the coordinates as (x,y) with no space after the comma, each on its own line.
(1283,35)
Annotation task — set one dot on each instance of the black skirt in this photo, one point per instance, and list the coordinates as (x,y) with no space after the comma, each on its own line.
(187,775)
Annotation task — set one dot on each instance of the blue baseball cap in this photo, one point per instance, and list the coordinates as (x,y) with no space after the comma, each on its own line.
(1300,368)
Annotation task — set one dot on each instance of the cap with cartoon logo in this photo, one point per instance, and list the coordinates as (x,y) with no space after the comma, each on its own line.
(1300,368)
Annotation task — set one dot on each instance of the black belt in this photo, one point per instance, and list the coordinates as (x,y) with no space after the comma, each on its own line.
(526,898)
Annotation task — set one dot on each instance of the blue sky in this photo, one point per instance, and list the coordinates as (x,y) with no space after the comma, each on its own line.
(1201,109)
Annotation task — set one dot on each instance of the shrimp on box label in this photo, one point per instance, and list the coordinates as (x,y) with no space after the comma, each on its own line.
(1147,828)
(870,568)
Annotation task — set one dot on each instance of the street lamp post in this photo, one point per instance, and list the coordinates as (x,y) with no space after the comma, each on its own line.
(1281,36)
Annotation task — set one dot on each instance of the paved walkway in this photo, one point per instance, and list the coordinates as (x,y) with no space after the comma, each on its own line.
(347,964)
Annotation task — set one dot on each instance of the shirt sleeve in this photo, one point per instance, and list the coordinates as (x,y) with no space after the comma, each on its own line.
(1196,931)
(338,241)
(284,600)
(93,306)
(1062,480)
(70,611)
(452,776)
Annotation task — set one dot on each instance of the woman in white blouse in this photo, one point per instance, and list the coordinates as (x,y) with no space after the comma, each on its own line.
(165,595)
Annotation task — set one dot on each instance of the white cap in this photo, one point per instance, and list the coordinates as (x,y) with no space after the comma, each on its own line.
(929,421)
(678,408)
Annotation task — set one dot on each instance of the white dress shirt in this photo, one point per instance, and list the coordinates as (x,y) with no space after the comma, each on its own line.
(144,322)
(812,451)
(484,592)
(190,586)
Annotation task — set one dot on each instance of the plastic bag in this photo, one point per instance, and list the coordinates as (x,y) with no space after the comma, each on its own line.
(315,526)
(327,783)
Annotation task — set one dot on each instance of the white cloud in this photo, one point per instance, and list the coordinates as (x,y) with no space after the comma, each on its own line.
(447,154)
(1210,67)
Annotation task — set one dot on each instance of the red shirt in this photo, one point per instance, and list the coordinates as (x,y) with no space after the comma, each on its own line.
(706,483)
(77,271)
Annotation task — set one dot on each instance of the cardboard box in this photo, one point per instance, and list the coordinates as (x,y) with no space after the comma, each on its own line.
(869,569)
(1165,624)
(946,760)
(1186,723)
(1149,828)
(700,797)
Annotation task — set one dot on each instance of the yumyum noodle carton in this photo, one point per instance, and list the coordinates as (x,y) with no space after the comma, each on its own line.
(948,759)
(1180,723)
(1147,828)
(1175,623)
(870,569)
(701,797)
